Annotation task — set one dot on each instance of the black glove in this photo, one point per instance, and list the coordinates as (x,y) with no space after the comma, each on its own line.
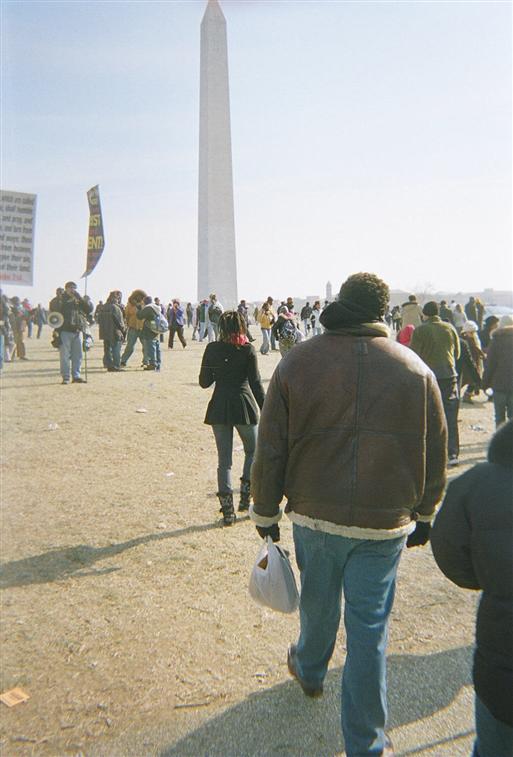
(272,531)
(420,536)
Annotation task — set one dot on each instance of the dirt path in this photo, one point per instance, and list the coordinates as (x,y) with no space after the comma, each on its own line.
(125,612)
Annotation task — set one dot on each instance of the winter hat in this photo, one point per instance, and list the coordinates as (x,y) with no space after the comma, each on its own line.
(431,308)
(469,327)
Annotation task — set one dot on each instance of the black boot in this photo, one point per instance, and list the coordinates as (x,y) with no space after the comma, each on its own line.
(226,502)
(245,495)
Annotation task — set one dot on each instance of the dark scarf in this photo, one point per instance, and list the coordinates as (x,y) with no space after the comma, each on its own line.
(347,316)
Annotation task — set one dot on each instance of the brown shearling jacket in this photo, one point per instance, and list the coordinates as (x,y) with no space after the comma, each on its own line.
(353,434)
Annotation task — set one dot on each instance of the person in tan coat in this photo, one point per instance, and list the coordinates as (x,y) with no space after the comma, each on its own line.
(411,312)
(134,326)
(353,435)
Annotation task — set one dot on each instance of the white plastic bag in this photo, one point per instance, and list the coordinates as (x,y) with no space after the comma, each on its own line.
(272,583)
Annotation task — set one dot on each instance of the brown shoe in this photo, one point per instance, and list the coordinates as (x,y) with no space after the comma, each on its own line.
(310,691)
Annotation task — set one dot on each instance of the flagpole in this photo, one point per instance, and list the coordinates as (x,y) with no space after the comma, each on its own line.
(84,336)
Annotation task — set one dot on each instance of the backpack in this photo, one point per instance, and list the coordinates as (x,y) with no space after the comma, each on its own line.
(214,313)
(287,333)
(159,324)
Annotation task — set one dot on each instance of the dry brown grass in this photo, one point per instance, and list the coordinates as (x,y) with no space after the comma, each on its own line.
(125,611)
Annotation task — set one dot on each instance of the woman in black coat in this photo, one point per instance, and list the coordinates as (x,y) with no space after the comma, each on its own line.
(472,541)
(231,363)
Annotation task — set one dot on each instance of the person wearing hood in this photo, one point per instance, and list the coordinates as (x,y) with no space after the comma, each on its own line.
(134,326)
(112,332)
(469,334)
(411,312)
(471,541)
(147,312)
(498,373)
(353,435)
(285,330)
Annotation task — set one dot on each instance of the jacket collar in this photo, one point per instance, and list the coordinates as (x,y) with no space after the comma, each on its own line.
(363,329)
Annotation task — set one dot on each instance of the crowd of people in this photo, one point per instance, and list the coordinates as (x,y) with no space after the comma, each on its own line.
(355,432)
(18,319)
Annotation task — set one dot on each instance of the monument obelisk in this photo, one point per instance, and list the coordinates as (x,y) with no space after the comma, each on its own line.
(217,266)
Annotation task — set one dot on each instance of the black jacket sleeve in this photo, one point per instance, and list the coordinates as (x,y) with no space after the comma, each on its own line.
(207,374)
(254,379)
(451,535)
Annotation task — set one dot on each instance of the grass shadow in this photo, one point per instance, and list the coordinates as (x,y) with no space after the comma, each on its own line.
(282,721)
(58,564)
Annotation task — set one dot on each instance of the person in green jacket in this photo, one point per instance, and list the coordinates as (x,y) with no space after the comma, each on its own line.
(438,344)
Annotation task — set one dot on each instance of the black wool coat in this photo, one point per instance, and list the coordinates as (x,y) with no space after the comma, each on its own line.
(238,388)
(472,542)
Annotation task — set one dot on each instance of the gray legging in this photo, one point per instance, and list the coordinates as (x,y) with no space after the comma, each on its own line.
(224,441)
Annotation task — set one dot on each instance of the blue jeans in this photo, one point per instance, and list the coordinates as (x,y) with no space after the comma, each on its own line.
(493,737)
(131,338)
(213,331)
(111,353)
(152,351)
(266,344)
(503,406)
(365,570)
(71,351)
(224,442)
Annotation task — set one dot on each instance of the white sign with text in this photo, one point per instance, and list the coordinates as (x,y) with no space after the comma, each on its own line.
(17,224)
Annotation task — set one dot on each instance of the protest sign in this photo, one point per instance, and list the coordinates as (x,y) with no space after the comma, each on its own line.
(17,222)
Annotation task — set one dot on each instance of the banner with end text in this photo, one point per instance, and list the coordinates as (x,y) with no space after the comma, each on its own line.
(95,238)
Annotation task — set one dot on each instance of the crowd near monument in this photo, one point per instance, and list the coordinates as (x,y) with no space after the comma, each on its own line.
(353,436)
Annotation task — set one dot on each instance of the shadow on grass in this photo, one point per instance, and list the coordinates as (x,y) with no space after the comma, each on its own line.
(58,564)
(282,721)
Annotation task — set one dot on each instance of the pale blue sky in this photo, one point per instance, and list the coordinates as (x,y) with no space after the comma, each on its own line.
(366,136)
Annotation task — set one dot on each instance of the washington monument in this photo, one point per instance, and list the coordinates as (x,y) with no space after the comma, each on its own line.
(217,267)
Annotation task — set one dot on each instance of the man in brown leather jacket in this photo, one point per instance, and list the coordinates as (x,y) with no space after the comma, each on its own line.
(353,434)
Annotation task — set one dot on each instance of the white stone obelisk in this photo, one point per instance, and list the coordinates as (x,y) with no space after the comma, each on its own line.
(217,266)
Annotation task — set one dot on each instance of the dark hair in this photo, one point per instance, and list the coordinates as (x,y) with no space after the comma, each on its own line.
(368,291)
(490,321)
(500,450)
(431,308)
(231,323)
(70,284)
(137,295)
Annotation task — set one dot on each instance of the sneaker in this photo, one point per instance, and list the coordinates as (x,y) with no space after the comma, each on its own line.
(149,368)
(123,365)
(314,692)
(78,381)
(65,381)
(453,461)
